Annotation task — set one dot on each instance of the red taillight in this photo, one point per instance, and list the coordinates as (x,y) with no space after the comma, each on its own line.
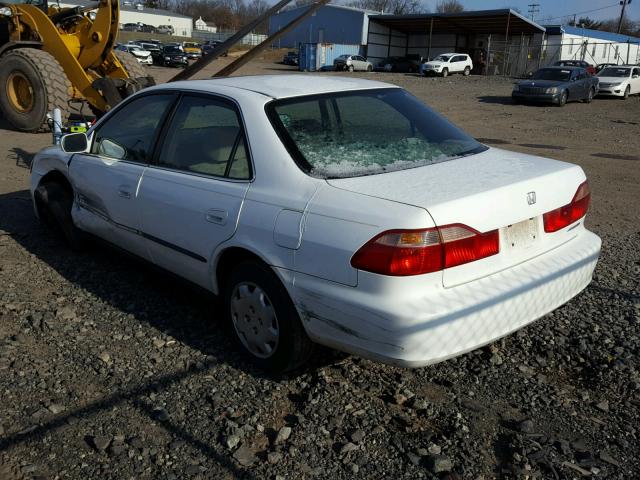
(572,212)
(414,252)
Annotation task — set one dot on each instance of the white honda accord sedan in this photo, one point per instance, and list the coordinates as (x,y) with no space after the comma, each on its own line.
(327,210)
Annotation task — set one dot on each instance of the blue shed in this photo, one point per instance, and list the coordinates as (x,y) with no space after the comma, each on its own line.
(314,56)
(330,24)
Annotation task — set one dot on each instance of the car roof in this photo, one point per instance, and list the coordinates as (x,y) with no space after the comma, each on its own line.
(282,86)
(566,67)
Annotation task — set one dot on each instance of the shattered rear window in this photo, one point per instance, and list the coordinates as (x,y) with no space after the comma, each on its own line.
(365,132)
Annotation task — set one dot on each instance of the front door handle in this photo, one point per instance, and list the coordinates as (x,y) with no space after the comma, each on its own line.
(123,193)
(216,215)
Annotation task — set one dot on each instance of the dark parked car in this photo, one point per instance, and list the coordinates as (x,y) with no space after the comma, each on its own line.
(291,58)
(131,27)
(576,63)
(211,45)
(557,85)
(400,64)
(173,56)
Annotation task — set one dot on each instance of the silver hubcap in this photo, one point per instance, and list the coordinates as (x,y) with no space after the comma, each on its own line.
(254,319)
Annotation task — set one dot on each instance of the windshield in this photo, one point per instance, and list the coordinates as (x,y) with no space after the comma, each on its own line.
(614,72)
(190,45)
(344,56)
(442,58)
(171,49)
(340,135)
(552,74)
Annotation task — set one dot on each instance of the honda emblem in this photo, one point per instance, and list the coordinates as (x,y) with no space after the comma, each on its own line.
(531,198)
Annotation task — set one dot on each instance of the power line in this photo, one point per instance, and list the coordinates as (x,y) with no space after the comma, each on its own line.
(533,9)
(581,13)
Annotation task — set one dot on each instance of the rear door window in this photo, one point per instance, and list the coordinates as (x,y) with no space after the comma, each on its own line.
(206,137)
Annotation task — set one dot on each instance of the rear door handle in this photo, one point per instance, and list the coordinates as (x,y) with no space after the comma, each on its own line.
(216,215)
(123,193)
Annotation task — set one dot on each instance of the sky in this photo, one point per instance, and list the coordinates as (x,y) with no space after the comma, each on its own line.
(605,9)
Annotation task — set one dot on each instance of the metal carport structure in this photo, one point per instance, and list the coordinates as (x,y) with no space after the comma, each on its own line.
(430,34)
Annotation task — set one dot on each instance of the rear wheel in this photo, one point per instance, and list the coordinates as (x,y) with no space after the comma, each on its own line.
(369,68)
(445,72)
(133,68)
(466,72)
(264,319)
(590,96)
(32,84)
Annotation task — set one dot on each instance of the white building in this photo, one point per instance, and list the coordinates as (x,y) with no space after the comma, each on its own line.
(592,46)
(129,13)
(203,26)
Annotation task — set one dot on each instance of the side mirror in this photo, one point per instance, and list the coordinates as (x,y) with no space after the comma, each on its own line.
(74,142)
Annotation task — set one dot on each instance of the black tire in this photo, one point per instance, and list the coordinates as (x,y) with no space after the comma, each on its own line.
(294,346)
(626,92)
(563,99)
(133,68)
(54,204)
(49,88)
(445,72)
(350,68)
(369,68)
(466,72)
(590,96)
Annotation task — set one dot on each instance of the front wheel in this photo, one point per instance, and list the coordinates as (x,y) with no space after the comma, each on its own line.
(265,321)
(350,68)
(563,99)
(466,72)
(445,73)
(627,92)
(54,205)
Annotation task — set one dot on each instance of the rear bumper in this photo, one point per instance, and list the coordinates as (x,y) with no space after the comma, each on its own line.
(417,327)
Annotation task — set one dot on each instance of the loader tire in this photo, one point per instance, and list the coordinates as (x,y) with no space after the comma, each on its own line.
(133,68)
(32,84)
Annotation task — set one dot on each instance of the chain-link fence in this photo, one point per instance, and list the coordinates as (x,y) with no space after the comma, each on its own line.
(517,58)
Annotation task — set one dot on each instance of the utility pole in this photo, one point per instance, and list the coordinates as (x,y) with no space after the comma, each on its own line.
(533,9)
(624,4)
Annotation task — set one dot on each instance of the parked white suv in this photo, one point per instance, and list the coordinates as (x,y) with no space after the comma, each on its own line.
(448,63)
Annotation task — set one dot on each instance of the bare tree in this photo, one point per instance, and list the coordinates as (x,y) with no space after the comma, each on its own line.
(449,6)
(586,22)
(395,7)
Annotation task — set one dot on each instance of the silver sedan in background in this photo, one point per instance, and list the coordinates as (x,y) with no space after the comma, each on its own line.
(352,63)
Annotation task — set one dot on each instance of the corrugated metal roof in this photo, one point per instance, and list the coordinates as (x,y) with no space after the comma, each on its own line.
(588,32)
(126,8)
(479,21)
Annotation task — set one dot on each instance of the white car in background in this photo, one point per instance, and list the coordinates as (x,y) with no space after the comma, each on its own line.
(338,211)
(352,63)
(448,63)
(619,81)
(143,56)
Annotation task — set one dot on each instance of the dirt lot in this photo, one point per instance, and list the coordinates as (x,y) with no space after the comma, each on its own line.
(109,369)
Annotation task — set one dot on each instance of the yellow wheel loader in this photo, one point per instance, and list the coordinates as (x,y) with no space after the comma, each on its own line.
(52,57)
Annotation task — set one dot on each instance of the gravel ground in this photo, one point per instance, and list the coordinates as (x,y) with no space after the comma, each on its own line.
(110,369)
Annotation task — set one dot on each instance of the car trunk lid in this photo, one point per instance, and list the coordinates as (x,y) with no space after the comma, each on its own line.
(495,189)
